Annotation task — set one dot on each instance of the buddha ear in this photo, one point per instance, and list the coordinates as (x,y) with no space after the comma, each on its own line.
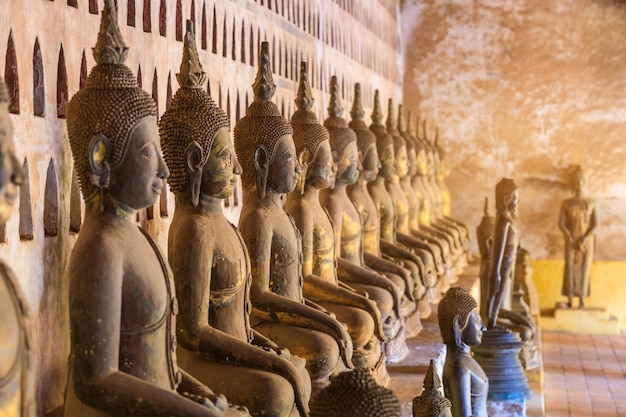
(261,166)
(193,166)
(303,159)
(100,151)
(457,328)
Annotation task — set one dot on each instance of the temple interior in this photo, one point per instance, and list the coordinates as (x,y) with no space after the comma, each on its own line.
(519,89)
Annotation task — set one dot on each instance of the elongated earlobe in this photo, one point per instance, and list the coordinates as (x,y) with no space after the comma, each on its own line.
(261,165)
(193,158)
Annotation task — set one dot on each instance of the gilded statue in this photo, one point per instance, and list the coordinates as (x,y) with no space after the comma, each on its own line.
(210,262)
(503,249)
(465,383)
(122,303)
(431,403)
(578,222)
(280,310)
(323,275)
(17,350)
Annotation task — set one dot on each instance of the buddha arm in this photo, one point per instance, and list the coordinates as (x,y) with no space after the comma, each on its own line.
(501,232)
(383,265)
(396,251)
(563,222)
(95,315)
(459,391)
(420,244)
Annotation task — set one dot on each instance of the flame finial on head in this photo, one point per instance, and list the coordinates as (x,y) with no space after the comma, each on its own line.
(264,86)
(335,108)
(191,73)
(391,120)
(304,97)
(486,209)
(357,112)
(110,47)
(377,112)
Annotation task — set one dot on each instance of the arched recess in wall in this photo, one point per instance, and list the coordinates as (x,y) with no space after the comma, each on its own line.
(193,14)
(214,40)
(130,13)
(251,46)
(228,113)
(208,86)
(39,87)
(203,35)
(75,206)
(139,77)
(168,91)
(83,70)
(147,16)
(219,95)
(25,206)
(286,70)
(279,69)
(11,76)
(237,108)
(233,54)
(243,42)
(62,90)
(179,20)
(93,6)
(224,38)
(163,18)
(51,202)
(72,3)
(155,89)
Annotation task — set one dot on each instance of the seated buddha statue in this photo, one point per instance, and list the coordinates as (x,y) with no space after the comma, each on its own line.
(322,282)
(465,383)
(347,225)
(17,350)
(122,304)
(280,310)
(211,267)
(390,245)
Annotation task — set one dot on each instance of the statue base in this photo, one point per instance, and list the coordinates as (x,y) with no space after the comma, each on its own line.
(413,323)
(380,373)
(396,349)
(587,320)
(498,355)
(507,408)
(424,307)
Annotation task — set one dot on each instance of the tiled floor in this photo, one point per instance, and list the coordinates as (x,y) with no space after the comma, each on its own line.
(585,375)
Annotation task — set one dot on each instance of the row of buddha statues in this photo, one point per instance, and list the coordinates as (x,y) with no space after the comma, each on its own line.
(344,241)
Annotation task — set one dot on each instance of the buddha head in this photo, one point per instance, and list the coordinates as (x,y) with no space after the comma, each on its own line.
(578,180)
(399,144)
(459,321)
(112,127)
(507,197)
(432,156)
(343,140)
(195,135)
(264,138)
(421,158)
(384,141)
(311,139)
(355,393)
(365,139)
(431,403)
(11,173)
(409,141)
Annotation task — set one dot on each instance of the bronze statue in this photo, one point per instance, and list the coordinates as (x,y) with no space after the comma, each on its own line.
(504,249)
(122,306)
(578,223)
(464,381)
(322,280)
(346,221)
(280,310)
(17,350)
(216,343)
(355,394)
(484,237)
(431,403)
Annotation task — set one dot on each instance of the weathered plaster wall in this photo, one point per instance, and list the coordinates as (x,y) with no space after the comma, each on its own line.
(524,89)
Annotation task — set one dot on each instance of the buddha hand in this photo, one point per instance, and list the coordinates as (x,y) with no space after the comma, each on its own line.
(212,401)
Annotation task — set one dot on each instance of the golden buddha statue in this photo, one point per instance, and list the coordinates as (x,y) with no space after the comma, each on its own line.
(211,267)
(323,277)
(122,306)
(17,350)
(280,310)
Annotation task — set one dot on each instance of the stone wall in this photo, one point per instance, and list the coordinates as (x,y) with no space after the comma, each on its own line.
(46,46)
(524,89)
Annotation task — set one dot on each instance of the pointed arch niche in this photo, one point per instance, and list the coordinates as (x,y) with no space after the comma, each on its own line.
(75,205)
(25,206)
(51,202)
(11,76)
(39,86)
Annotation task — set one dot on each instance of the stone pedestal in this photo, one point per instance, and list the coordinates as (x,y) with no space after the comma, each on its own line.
(396,349)
(587,320)
(507,408)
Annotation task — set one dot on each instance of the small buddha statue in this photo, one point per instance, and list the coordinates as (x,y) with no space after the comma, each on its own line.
(504,248)
(484,237)
(17,350)
(464,381)
(355,394)
(347,226)
(122,304)
(431,403)
(578,222)
(322,280)
(216,343)
(280,310)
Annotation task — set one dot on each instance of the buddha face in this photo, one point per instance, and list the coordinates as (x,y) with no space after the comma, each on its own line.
(472,333)
(219,174)
(11,173)
(370,164)
(138,179)
(348,166)
(387,162)
(321,172)
(513,203)
(284,169)
(402,162)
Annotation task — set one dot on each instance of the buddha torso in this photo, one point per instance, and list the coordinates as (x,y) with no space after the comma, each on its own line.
(424,201)
(462,365)
(401,205)
(504,226)
(369,217)
(386,210)
(350,233)
(413,201)
(578,212)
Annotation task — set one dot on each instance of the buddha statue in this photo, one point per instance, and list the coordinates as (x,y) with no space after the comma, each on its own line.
(347,225)
(211,267)
(280,310)
(464,381)
(504,248)
(122,306)
(322,280)
(355,394)
(431,403)
(17,350)
(385,205)
(484,237)
(578,222)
